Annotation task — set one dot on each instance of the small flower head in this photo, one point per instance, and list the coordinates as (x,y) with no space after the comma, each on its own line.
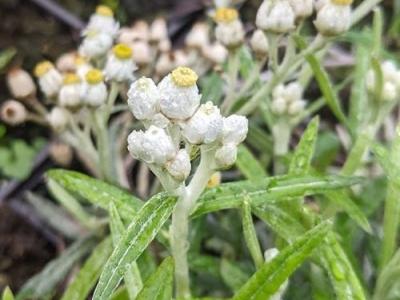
(205,126)
(144,98)
(13,112)
(94,90)
(20,84)
(215,53)
(391,81)
(95,44)
(226,156)
(103,21)
(302,8)
(198,37)
(259,44)
(235,129)
(276,16)
(179,94)
(287,99)
(158,30)
(143,55)
(50,80)
(179,167)
(58,119)
(66,62)
(229,31)
(226,15)
(70,92)
(334,18)
(153,146)
(120,65)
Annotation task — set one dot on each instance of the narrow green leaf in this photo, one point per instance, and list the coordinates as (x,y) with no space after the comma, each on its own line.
(248,164)
(246,62)
(97,192)
(267,190)
(7,294)
(6,56)
(144,227)
(43,284)
(117,227)
(232,275)
(88,275)
(159,286)
(268,279)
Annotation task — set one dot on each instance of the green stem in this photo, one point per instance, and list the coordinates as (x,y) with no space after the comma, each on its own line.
(233,70)
(363,9)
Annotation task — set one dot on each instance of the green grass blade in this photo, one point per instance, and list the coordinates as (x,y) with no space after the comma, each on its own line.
(248,164)
(7,294)
(88,275)
(159,286)
(232,275)
(267,280)
(147,222)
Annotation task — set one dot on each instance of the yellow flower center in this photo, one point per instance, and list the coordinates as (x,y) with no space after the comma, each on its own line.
(184,77)
(342,2)
(42,68)
(215,180)
(71,78)
(226,15)
(122,51)
(104,10)
(94,76)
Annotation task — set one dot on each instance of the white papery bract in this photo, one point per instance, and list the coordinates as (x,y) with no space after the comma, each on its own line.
(13,112)
(143,54)
(235,129)
(158,30)
(58,119)
(70,92)
(198,36)
(226,155)
(215,52)
(103,21)
(50,80)
(178,101)
(96,44)
(205,126)
(160,120)
(120,65)
(153,146)
(144,98)
(391,81)
(276,16)
(302,8)
(179,167)
(94,90)
(230,34)
(259,43)
(20,83)
(287,99)
(333,19)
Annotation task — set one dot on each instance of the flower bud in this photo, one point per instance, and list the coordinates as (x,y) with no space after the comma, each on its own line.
(95,44)
(20,84)
(103,21)
(276,16)
(389,92)
(215,180)
(334,18)
(154,146)
(58,119)
(293,91)
(179,94)
(141,30)
(164,45)
(70,92)
(66,62)
(50,79)
(235,129)
(229,31)
(296,107)
(259,44)
(82,67)
(120,65)
(179,167)
(198,36)
(13,112)
(94,90)
(226,156)
(61,154)
(391,81)
(216,53)
(279,106)
(142,52)
(158,30)
(302,8)
(144,98)
(205,126)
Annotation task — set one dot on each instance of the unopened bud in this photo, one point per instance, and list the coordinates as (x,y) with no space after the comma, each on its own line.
(20,84)
(226,156)
(158,30)
(179,167)
(58,119)
(61,154)
(333,19)
(216,53)
(235,129)
(302,8)
(144,98)
(13,112)
(259,44)
(215,180)
(276,16)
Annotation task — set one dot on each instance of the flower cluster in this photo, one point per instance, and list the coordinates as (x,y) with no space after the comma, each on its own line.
(391,81)
(229,30)
(173,116)
(288,99)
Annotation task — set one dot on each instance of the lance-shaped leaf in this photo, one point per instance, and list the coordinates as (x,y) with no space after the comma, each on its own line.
(144,227)
(87,277)
(159,285)
(268,279)
(7,294)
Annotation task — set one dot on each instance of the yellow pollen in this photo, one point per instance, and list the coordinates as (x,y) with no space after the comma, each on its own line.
(104,10)
(42,68)
(342,2)
(215,180)
(71,78)
(226,15)
(94,76)
(122,51)
(184,77)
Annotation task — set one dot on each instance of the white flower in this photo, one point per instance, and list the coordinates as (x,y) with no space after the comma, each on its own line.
(302,8)
(334,17)
(293,91)
(216,53)
(50,79)
(95,44)
(318,4)
(198,36)
(142,50)
(179,94)
(82,67)
(58,119)
(103,21)
(259,43)
(269,255)
(144,98)
(159,120)
(235,129)
(205,126)
(276,16)
(153,146)
(391,81)
(120,65)
(94,91)
(70,92)
(13,112)
(229,31)
(226,155)
(296,107)
(179,167)
(20,84)
(66,62)
(279,106)
(158,30)
(287,99)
